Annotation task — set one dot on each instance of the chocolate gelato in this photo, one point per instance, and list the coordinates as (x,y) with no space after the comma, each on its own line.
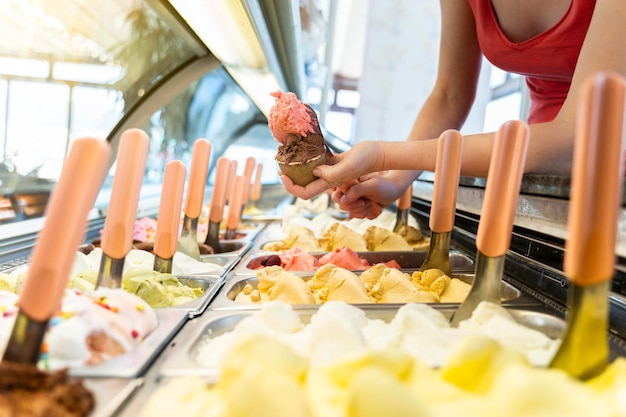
(25,391)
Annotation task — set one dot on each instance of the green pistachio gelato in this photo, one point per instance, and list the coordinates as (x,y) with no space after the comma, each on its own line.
(157,289)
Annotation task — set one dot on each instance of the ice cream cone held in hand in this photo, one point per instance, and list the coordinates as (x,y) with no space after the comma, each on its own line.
(295,125)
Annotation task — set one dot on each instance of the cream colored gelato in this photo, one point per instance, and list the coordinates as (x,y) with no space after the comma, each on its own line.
(327,234)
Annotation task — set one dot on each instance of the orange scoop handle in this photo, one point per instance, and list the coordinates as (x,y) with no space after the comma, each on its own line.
(234,211)
(404,202)
(230,182)
(247,173)
(255,192)
(197,178)
(597,177)
(447,173)
(117,236)
(218,198)
(170,207)
(505,175)
(66,217)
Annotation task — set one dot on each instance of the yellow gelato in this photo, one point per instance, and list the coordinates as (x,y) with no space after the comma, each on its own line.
(481,379)
(277,284)
(455,291)
(338,236)
(394,286)
(337,284)
(298,237)
(379,239)
(414,237)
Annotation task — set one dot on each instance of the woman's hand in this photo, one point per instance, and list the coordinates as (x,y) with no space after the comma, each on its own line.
(367,197)
(343,168)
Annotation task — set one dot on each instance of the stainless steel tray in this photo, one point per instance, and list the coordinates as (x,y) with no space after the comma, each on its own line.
(135,363)
(233,247)
(406,260)
(225,299)
(226,261)
(111,393)
(214,323)
(211,286)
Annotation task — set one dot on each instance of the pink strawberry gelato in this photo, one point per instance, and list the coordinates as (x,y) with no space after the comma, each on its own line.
(290,116)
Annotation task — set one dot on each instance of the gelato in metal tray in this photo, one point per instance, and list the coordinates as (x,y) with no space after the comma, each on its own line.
(233,295)
(133,364)
(209,286)
(406,259)
(420,329)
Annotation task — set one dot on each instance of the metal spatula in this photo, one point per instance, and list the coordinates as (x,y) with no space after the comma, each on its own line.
(404,207)
(169,216)
(117,235)
(188,240)
(496,220)
(447,172)
(594,208)
(66,217)
(218,199)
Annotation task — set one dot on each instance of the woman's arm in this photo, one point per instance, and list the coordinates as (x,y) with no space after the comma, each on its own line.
(551,144)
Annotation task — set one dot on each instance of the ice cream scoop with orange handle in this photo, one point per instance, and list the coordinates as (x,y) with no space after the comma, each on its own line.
(447,173)
(188,240)
(66,218)
(403,207)
(234,211)
(247,173)
(496,219)
(255,190)
(596,190)
(117,235)
(168,222)
(218,199)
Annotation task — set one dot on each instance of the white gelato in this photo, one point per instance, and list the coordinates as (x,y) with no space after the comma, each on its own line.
(338,331)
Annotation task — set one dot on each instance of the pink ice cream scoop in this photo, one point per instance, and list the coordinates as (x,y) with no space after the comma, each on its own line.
(290,116)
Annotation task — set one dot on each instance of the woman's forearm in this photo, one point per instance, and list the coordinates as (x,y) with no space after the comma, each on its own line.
(549,152)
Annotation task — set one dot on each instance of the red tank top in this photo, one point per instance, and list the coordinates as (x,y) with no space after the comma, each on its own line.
(546,60)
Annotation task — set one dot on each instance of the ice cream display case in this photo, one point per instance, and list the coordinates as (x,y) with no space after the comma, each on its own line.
(291,285)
